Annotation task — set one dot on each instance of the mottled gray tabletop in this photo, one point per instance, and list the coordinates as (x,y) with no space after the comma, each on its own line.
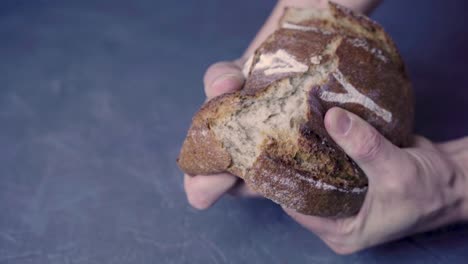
(96,97)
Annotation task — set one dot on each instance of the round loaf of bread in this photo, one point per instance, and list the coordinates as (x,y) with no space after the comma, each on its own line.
(271,133)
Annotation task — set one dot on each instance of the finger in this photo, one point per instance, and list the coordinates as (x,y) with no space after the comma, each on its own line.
(204,190)
(222,77)
(322,227)
(364,144)
(243,190)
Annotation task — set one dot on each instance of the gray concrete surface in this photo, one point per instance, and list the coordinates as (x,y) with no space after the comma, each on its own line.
(96,97)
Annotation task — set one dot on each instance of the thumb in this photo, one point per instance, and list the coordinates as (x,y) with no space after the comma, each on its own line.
(374,154)
(223,77)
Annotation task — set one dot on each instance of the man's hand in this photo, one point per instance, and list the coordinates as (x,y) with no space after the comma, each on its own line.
(204,190)
(410,190)
(222,77)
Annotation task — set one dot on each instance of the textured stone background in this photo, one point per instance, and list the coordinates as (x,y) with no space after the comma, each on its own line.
(96,97)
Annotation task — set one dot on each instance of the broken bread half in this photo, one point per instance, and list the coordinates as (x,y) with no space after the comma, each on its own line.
(271,133)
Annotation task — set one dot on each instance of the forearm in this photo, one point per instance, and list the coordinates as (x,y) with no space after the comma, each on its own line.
(361,6)
(464,175)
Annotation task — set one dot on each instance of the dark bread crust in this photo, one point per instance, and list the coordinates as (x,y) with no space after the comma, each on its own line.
(202,152)
(348,61)
(277,181)
(302,45)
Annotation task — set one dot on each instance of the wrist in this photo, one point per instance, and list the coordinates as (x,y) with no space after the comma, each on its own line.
(459,160)
(456,152)
(463,175)
(454,203)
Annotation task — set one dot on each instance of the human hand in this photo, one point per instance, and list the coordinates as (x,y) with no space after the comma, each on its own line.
(410,190)
(204,190)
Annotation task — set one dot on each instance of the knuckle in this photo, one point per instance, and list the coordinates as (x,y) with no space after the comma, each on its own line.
(368,146)
(213,69)
(400,185)
(393,186)
(222,77)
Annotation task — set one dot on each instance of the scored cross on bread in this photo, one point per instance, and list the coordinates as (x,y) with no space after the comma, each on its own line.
(271,133)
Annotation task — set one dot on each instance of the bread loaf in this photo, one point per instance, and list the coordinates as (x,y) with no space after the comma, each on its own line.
(271,133)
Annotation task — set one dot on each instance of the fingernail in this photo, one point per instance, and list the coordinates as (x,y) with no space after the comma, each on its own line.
(340,123)
(228,79)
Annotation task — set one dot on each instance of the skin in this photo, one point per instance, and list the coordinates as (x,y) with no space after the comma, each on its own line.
(411,190)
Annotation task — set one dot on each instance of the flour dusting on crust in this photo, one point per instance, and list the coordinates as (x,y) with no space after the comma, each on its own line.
(362,43)
(325,186)
(247,66)
(291,26)
(354,96)
(279,62)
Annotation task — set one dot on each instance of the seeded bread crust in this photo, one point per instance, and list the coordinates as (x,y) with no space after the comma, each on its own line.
(271,133)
